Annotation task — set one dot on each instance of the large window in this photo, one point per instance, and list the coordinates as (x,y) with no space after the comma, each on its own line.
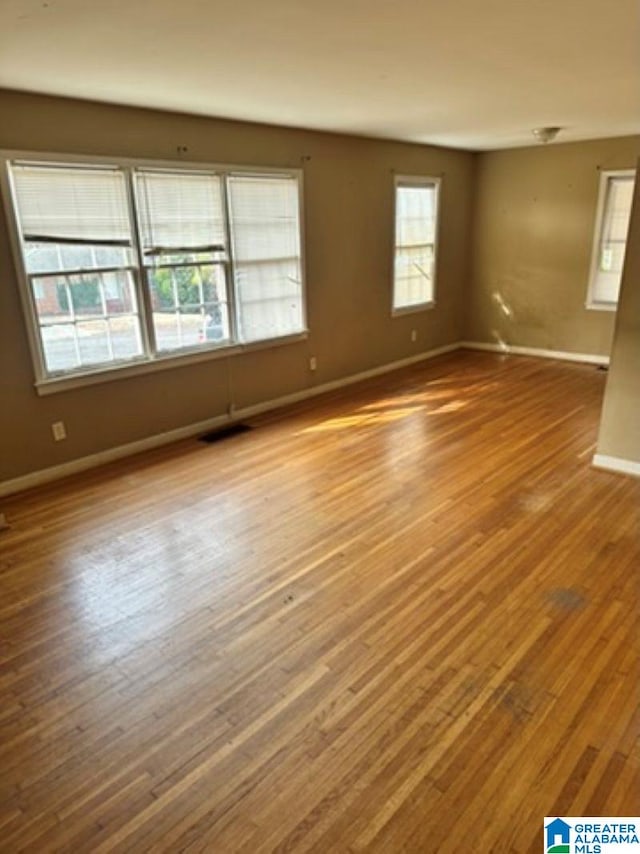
(134,264)
(416,230)
(610,238)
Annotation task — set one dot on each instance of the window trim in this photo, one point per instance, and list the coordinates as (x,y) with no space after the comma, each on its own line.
(416,181)
(605,174)
(149,361)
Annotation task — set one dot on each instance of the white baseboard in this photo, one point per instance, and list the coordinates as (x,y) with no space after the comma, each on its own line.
(37,478)
(617,464)
(297,396)
(563,355)
(42,476)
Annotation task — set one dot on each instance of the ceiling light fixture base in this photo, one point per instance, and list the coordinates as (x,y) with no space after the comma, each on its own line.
(545,135)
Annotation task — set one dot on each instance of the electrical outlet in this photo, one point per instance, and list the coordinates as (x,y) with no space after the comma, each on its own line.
(313,363)
(414,334)
(59,431)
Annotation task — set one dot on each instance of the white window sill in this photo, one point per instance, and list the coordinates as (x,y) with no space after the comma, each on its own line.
(413,309)
(53,385)
(601,306)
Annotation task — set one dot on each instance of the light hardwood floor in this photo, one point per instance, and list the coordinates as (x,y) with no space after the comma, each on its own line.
(403,617)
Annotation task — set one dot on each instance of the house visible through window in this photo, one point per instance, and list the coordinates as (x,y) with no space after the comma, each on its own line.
(130,264)
(416,228)
(610,238)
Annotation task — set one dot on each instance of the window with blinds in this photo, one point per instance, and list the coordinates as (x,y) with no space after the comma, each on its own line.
(610,238)
(265,232)
(183,243)
(78,255)
(130,263)
(416,228)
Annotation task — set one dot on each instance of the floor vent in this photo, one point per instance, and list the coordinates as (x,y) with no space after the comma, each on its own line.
(225,433)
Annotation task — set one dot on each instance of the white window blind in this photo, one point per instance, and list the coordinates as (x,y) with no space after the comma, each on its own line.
(180,212)
(265,229)
(130,262)
(58,204)
(616,193)
(77,249)
(415,242)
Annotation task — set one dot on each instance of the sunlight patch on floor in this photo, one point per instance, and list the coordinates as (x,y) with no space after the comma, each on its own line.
(372,417)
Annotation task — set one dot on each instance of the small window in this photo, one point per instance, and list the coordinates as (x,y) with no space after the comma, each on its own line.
(610,238)
(415,248)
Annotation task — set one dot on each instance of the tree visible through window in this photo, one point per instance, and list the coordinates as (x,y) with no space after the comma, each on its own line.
(127,264)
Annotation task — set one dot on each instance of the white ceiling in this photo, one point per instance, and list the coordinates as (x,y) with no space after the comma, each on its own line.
(476,74)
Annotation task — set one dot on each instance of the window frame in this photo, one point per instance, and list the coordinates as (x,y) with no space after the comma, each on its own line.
(149,361)
(591,303)
(434,181)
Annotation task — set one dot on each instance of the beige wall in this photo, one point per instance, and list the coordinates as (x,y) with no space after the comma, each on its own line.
(349,227)
(518,276)
(620,425)
(534,219)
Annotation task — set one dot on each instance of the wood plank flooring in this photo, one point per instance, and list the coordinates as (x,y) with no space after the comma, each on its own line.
(403,617)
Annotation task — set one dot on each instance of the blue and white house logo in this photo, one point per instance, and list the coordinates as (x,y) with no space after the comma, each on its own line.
(591,835)
(558,835)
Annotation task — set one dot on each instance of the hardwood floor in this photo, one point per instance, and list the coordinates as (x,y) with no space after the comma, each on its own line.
(403,617)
